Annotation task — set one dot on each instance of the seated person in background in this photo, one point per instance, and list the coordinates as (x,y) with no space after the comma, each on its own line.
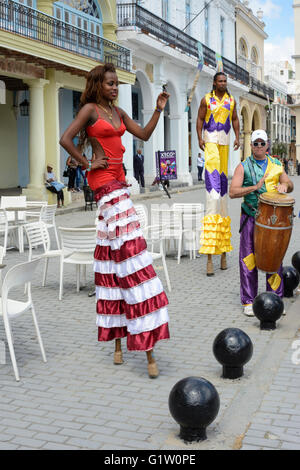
(54,186)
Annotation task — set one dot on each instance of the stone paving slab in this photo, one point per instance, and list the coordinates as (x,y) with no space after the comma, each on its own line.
(80,400)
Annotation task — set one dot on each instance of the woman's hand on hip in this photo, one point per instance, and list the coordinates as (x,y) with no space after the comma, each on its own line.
(99,163)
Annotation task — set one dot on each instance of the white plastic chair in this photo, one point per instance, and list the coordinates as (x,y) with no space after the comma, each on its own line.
(35,214)
(78,246)
(142,215)
(170,222)
(47,215)
(192,214)
(38,237)
(10,309)
(15,201)
(1,261)
(153,236)
(9,230)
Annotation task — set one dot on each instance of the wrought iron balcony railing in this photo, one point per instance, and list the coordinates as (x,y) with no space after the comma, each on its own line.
(28,22)
(256,86)
(132,15)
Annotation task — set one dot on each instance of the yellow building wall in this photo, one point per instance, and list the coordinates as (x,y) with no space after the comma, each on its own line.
(9,177)
(252,39)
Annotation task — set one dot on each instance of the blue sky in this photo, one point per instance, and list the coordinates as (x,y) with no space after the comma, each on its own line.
(279,20)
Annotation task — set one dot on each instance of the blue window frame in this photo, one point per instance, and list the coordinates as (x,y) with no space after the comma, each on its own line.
(188,15)
(206,24)
(89,18)
(222,34)
(165,9)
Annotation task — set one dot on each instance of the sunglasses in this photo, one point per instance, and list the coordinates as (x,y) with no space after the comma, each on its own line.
(259,144)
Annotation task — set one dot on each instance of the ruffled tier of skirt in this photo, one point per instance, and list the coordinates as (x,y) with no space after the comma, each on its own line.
(130,298)
(215,237)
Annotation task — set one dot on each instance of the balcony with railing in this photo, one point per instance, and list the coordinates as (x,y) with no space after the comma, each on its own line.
(259,88)
(132,15)
(37,26)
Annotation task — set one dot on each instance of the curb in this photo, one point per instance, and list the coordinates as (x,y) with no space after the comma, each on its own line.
(75,207)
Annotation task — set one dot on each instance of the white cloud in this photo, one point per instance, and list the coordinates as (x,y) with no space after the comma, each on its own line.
(281,50)
(270,9)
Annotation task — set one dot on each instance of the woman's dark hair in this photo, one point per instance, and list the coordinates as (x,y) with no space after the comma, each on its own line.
(218,74)
(92,92)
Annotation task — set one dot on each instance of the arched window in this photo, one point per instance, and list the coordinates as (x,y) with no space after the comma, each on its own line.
(243,48)
(254,56)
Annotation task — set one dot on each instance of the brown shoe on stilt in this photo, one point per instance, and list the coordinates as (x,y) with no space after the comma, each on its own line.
(118,358)
(153,370)
(223,262)
(209,266)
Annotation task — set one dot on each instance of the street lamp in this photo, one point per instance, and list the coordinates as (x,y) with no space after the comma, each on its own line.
(24,107)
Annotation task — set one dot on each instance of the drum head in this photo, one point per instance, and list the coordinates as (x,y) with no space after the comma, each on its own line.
(277,199)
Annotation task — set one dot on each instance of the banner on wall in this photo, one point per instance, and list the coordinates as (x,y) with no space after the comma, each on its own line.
(166,167)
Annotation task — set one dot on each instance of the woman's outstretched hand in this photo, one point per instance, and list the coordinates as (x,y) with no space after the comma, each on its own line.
(162,100)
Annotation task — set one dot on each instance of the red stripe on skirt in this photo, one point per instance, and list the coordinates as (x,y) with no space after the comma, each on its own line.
(119,231)
(114,201)
(132,280)
(140,342)
(146,341)
(118,307)
(108,334)
(108,188)
(129,249)
(121,215)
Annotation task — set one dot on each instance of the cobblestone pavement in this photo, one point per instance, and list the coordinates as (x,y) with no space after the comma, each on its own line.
(80,400)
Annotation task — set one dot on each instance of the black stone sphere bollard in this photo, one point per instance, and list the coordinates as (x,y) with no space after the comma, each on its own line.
(291,279)
(232,348)
(268,308)
(194,404)
(296,261)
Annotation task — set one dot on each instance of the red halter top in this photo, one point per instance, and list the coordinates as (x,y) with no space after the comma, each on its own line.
(110,140)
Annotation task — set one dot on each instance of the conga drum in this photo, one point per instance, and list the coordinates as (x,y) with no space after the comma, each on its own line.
(273,229)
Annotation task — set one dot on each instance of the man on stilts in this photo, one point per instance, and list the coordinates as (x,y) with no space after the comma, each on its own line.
(217,112)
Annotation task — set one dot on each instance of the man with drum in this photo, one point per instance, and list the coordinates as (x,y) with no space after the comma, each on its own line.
(256,175)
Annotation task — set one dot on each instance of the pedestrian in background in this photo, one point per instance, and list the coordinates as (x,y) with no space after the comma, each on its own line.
(80,173)
(53,185)
(138,167)
(72,166)
(200,166)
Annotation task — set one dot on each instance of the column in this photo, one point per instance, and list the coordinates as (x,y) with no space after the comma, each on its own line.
(52,128)
(37,149)
(156,141)
(52,121)
(125,102)
(235,155)
(154,144)
(195,146)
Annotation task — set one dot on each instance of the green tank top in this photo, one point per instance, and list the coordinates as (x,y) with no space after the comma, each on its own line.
(253,172)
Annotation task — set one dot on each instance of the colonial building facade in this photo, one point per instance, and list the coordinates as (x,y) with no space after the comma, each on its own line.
(255,106)
(296,105)
(46,49)
(164,44)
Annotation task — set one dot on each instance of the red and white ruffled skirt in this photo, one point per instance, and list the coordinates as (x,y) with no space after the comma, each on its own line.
(131,301)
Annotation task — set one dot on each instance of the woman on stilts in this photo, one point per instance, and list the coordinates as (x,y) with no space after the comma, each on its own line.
(131,301)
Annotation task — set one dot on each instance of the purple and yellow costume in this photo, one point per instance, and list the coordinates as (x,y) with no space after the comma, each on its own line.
(215,235)
(248,270)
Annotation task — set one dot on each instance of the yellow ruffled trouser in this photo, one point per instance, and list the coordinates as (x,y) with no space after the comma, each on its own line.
(215,236)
